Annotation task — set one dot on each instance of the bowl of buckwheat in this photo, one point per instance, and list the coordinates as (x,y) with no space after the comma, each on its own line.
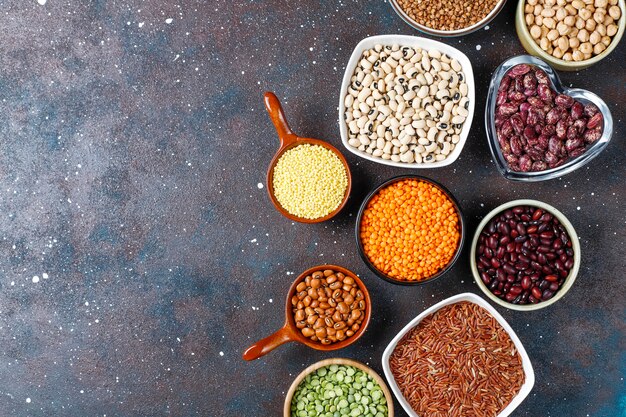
(570,35)
(406,101)
(447,17)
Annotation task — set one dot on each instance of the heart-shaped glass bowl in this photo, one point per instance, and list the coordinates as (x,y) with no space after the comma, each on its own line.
(581,95)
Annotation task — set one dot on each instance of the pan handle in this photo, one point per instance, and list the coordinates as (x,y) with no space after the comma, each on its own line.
(264,346)
(275,110)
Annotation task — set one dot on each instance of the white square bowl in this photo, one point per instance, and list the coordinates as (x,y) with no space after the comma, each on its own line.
(472,298)
(413,41)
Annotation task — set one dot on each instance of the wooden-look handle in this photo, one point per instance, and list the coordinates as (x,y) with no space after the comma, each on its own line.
(264,346)
(275,110)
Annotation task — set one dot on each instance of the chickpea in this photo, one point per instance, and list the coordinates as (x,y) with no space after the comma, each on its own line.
(595,38)
(583,35)
(532,2)
(563,29)
(539,20)
(601,29)
(601,3)
(548,12)
(580,23)
(561,14)
(558,52)
(563,44)
(537,10)
(586,48)
(549,22)
(615,12)
(567,56)
(608,20)
(530,18)
(584,14)
(590,25)
(535,31)
(577,56)
(599,48)
(573,43)
(561,2)
(587,56)
(577,4)
(549,3)
(606,40)
(569,21)
(553,35)
(611,30)
(528,9)
(571,10)
(544,43)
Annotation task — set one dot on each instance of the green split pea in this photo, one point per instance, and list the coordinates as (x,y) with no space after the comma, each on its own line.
(338,391)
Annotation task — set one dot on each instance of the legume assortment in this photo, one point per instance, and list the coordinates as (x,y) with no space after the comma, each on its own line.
(406,104)
(572,30)
(309,181)
(459,361)
(328,306)
(410,230)
(538,128)
(524,255)
(339,390)
(447,15)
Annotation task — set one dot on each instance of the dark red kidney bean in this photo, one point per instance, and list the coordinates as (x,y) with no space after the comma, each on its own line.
(569,263)
(531,229)
(546,217)
(526,282)
(504,240)
(521,229)
(500,286)
(518,247)
(493,285)
(551,256)
(487,253)
(510,297)
(546,235)
(491,229)
(501,275)
(510,247)
(484,261)
(507,287)
(520,239)
(511,278)
(541,258)
(544,284)
(517,210)
(504,229)
(523,258)
(509,269)
(569,252)
(557,244)
(515,289)
(554,286)
(559,265)
(512,258)
(521,266)
(500,252)
(547,270)
(495,263)
(486,278)
(542,227)
(563,273)
(551,278)
(547,294)
(545,241)
(536,292)
(492,242)
(543,249)
(534,241)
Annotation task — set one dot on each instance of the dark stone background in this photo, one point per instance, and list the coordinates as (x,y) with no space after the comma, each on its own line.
(130,153)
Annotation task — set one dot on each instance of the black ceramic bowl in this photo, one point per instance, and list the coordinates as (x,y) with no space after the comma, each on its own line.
(360,244)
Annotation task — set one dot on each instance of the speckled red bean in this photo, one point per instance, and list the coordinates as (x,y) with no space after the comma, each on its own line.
(538,128)
(524,255)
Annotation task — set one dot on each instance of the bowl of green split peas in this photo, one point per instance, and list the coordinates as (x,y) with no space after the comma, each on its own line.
(338,387)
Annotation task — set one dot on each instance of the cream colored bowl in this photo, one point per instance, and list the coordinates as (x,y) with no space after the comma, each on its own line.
(532,48)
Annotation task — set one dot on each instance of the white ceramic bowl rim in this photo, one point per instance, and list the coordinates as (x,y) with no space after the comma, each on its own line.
(529,373)
(584,96)
(413,41)
(457,32)
(569,281)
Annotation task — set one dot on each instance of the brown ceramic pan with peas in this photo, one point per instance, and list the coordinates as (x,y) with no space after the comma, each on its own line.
(289,140)
(327,308)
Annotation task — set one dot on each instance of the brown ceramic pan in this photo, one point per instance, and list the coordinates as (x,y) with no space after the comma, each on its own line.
(290,333)
(289,140)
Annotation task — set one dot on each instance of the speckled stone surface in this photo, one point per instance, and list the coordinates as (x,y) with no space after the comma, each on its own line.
(141,254)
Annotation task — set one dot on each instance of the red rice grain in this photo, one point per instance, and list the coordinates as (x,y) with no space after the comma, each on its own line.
(457,362)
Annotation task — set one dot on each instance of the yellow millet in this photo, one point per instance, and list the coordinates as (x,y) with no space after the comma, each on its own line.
(309,181)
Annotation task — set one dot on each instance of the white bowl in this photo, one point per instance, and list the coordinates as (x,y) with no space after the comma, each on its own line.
(473,298)
(413,41)
(569,281)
